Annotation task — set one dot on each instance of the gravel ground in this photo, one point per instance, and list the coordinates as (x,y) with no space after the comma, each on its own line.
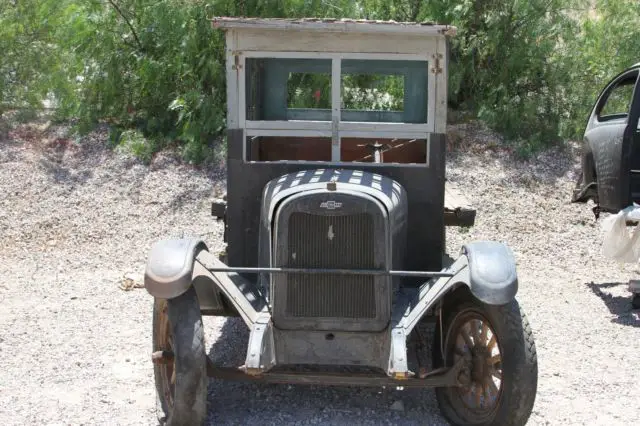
(76,217)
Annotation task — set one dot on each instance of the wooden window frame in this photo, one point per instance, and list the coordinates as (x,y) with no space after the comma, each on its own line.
(336,128)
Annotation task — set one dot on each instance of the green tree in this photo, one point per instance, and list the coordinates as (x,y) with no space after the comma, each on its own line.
(33,64)
(530,69)
(607,42)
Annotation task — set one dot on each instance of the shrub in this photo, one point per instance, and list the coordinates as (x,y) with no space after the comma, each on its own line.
(530,69)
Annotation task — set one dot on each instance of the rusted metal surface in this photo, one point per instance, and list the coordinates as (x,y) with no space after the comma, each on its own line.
(436,378)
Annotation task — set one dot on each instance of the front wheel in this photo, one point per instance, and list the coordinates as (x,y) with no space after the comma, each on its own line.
(181,378)
(500,355)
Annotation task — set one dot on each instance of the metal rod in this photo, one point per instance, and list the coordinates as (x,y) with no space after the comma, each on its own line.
(378,272)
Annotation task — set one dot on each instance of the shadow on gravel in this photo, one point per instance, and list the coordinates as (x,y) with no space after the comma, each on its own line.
(239,402)
(620,306)
(185,198)
(52,163)
(69,163)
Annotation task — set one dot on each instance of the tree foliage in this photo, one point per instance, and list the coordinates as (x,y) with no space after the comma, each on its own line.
(608,41)
(530,69)
(33,60)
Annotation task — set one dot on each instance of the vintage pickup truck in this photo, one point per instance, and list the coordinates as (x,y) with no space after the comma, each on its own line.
(335,221)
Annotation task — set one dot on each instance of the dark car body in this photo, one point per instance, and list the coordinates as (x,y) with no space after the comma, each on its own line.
(611,146)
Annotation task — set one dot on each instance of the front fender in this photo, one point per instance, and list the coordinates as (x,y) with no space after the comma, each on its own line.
(492,272)
(170,267)
(487,268)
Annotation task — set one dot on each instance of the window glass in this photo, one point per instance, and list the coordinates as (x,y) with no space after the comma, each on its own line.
(384,91)
(373,92)
(309,90)
(619,100)
(288,89)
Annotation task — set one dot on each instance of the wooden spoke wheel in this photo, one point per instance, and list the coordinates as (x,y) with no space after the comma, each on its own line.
(501,370)
(477,342)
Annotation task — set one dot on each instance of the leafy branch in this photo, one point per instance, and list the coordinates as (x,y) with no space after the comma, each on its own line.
(126,20)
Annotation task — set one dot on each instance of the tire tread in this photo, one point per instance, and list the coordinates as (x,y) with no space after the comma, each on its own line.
(516,334)
(190,400)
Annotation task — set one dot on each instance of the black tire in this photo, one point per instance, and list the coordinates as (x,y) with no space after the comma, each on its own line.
(517,365)
(635,301)
(177,327)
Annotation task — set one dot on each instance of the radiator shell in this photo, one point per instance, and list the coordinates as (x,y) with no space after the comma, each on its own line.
(295,233)
(309,236)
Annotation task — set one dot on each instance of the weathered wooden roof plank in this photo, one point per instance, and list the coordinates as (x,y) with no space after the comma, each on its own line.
(340,25)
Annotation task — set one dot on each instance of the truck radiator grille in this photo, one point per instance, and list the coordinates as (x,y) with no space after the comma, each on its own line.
(317,241)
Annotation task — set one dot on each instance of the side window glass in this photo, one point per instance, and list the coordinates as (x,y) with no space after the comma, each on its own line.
(619,100)
(384,91)
(288,89)
(309,90)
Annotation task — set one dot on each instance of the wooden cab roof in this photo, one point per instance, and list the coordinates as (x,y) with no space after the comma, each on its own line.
(346,36)
(335,25)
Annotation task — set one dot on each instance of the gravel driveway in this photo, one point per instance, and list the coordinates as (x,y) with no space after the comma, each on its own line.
(74,345)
